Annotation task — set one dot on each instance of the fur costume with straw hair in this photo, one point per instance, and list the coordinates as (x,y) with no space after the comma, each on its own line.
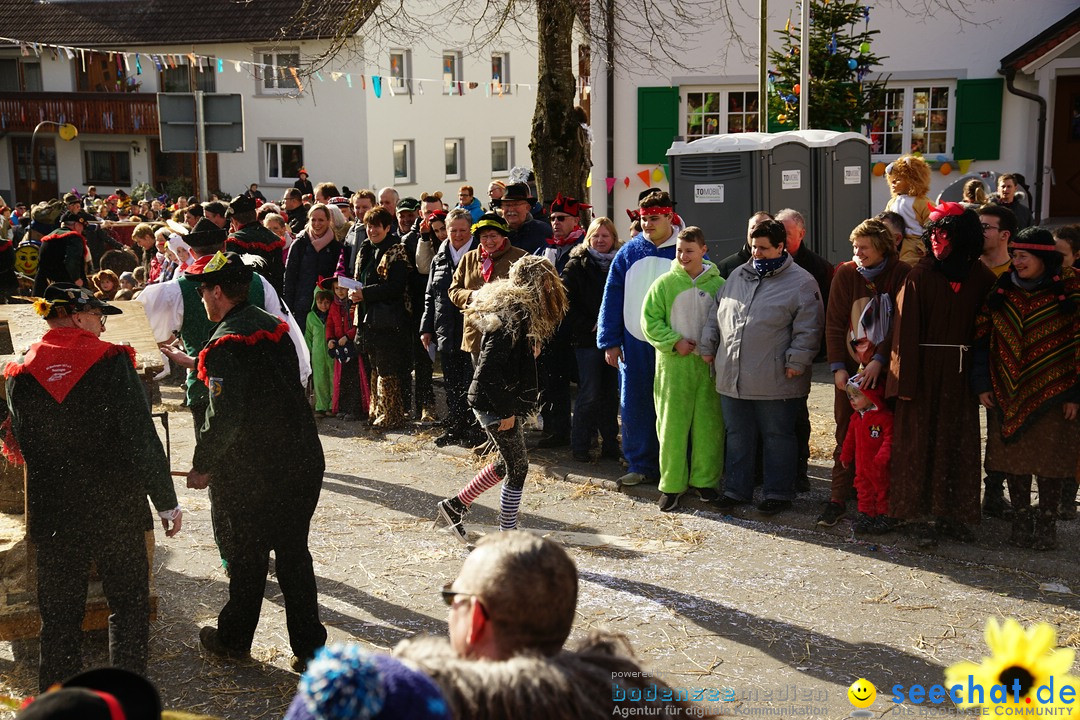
(532,292)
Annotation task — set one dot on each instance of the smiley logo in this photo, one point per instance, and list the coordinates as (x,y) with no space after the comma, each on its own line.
(862,693)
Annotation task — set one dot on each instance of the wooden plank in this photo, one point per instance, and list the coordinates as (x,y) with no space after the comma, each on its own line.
(132,327)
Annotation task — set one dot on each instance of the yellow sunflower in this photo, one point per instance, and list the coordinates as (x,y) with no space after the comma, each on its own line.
(1028,656)
(42,306)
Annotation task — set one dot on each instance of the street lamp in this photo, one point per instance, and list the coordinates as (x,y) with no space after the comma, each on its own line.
(66,131)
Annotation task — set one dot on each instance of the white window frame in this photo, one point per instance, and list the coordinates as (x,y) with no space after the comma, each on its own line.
(722,112)
(907,113)
(264,160)
(397,82)
(283,84)
(509,156)
(410,162)
(451,85)
(505,80)
(460,159)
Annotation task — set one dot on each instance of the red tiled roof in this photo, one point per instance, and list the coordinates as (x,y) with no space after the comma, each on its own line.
(1050,38)
(120,23)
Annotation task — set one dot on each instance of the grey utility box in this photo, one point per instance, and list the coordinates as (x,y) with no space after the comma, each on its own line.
(840,172)
(721,180)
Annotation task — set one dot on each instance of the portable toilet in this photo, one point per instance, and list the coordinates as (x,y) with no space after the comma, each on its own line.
(841,189)
(717,184)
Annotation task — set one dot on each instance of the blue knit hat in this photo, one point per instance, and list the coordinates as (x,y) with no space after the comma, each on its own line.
(346,682)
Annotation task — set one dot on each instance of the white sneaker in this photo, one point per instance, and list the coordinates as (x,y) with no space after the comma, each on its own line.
(631,478)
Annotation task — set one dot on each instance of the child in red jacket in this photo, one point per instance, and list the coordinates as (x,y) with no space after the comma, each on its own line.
(351,393)
(869,444)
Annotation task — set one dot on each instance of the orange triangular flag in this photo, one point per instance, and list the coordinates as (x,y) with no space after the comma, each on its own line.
(644,175)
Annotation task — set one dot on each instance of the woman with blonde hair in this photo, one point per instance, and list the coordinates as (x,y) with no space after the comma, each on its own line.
(516,317)
(596,408)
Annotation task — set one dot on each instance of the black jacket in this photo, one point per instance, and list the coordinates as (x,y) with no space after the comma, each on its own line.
(259,442)
(303,271)
(504,381)
(727,266)
(819,267)
(584,280)
(387,291)
(61,260)
(441,316)
(297,218)
(531,236)
(71,489)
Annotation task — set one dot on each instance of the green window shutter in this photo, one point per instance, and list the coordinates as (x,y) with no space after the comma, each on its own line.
(658,123)
(978,119)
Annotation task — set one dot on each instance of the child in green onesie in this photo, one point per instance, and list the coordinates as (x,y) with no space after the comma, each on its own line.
(676,309)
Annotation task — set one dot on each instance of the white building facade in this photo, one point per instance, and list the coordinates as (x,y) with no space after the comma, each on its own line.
(442,116)
(929,62)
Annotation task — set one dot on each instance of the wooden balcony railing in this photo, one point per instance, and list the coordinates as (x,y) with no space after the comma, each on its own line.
(91,113)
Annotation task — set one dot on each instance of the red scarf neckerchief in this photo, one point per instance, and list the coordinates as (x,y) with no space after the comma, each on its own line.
(570,239)
(487,263)
(63,356)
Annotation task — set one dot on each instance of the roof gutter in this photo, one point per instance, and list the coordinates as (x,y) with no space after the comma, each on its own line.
(1040,142)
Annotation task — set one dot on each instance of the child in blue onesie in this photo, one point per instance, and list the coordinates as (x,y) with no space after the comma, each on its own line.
(676,309)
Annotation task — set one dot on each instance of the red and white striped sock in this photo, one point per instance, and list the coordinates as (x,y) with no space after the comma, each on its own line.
(486,478)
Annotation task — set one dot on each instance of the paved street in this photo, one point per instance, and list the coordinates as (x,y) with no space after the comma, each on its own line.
(783,614)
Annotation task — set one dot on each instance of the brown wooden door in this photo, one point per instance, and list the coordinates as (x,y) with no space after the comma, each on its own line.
(44,170)
(1065,155)
(166,167)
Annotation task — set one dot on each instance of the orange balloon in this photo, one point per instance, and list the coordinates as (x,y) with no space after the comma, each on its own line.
(798,89)
(879,169)
(945,168)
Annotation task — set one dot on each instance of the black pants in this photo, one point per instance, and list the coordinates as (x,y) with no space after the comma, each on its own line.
(218,521)
(457,371)
(350,396)
(556,369)
(802,436)
(255,533)
(63,570)
(424,396)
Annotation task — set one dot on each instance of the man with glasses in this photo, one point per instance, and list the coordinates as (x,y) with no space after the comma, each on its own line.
(516,593)
(526,233)
(86,506)
(514,600)
(557,365)
(64,253)
(998,227)
(266,489)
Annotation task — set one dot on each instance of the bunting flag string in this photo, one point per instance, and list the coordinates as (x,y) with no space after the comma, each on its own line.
(170,61)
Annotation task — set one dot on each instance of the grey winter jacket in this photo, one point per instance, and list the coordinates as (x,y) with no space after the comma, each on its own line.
(762,326)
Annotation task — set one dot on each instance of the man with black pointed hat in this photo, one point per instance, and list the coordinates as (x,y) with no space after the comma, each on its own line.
(266,484)
(64,253)
(88,473)
(175,310)
(525,232)
(250,237)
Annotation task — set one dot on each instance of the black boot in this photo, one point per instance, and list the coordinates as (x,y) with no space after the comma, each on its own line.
(994,503)
(1022,528)
(1068,500)
(1045,530)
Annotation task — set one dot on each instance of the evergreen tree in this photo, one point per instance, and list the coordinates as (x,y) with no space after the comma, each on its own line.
(841,58)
